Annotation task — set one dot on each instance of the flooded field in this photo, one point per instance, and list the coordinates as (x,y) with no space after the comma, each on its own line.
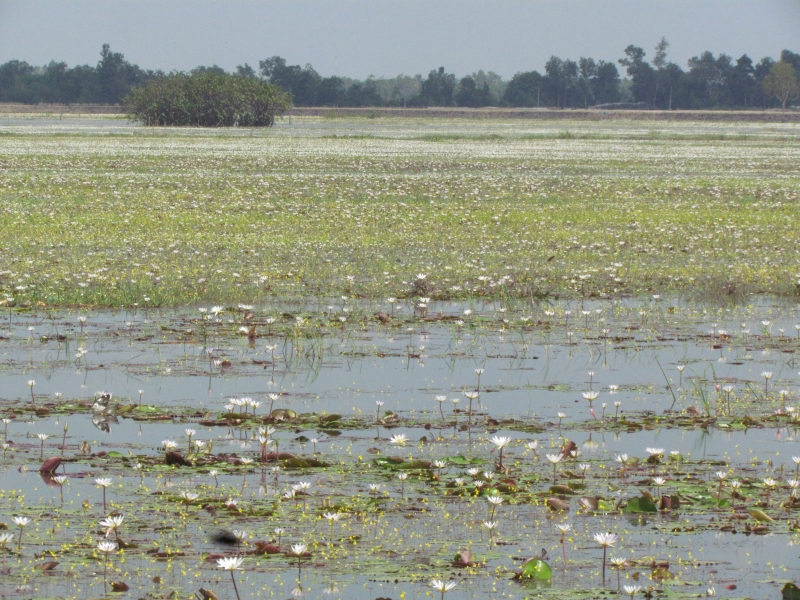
(399,358)
(346,427)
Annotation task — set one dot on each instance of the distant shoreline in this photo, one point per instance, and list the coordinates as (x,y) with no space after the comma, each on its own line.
(771,115)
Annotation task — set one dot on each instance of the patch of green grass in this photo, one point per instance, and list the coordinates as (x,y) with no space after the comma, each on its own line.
(188,217)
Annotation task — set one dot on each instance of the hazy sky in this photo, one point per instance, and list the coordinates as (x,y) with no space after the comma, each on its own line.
(357,38)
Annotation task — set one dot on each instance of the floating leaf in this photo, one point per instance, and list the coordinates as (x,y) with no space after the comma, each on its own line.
(173,458)
(536,568)
(640,505)
(50,465)
(461,460)
(661,574)
(207,594)
(760,515)
(791,592)
(557,504)
(414,464)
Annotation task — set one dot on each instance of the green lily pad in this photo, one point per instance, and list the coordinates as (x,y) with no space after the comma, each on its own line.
(790,592)
(640,505)
(461,460)
(536,569)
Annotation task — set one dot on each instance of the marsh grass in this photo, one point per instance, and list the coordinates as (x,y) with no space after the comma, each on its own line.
(183,220)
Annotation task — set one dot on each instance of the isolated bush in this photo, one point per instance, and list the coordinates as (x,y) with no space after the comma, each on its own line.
(207,100)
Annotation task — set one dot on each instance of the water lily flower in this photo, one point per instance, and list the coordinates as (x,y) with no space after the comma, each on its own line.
(606,541)
(112,524)
(554,459)
(231,563)
(103,482)
(442,587)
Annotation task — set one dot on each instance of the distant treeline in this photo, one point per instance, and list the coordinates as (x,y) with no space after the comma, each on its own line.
(709,82)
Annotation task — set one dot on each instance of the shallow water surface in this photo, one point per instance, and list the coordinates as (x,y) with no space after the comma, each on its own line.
(532,367)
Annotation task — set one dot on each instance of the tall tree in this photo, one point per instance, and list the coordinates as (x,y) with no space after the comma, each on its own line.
(641,73)
(524,89)
(605,83)
(562,82)
(741,82)
(301,82)
(438,88)
(659,62)
(792,58)
(331,91)
(707,80)
(782,83)
(115,76)
(245,71)
(469,93)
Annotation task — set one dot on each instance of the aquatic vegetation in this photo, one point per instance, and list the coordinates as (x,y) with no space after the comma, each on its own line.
(289,415)
(179,217)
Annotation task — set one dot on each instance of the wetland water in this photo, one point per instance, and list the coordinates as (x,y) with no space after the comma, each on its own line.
(170,371)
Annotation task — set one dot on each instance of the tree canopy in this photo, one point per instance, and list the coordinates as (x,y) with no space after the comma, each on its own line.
(781,82)
(207,99)
(707,81)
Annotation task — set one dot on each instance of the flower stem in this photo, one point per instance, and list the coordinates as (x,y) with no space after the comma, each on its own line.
(235,589)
